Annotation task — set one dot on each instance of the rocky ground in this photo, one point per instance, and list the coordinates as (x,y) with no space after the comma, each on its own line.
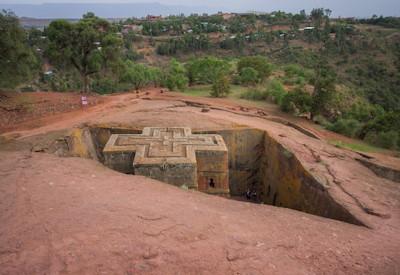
(24,110)
(64,215)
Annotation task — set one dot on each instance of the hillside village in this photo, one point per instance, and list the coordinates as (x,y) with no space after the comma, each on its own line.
(179,52)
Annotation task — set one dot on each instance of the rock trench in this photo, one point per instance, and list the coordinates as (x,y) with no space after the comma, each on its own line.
(261,170)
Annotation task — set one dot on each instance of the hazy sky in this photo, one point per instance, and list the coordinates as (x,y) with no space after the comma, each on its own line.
(339,7)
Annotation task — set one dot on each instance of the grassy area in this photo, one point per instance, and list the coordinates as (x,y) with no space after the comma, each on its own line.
(236,92)
(199,90)
(362,147)
(204,91)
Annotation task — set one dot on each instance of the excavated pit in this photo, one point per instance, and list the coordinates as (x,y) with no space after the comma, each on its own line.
(261,170)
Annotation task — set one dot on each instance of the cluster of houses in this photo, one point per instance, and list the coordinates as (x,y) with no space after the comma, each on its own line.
(132,28)
(138,27)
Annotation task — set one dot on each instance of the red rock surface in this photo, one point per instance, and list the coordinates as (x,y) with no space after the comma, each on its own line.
(24,109)
(74,216)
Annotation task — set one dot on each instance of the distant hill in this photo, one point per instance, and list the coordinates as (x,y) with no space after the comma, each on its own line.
(106,10)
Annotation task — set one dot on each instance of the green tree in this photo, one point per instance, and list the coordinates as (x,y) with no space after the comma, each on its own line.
(137,75)
(302,15)
(276,91)
(88,46)
(296,102)
(383,123)
(175,76)
(258,63)
(18,63)
(221,86)
(324,88)
(249,76)
(294,24)
(129,38)
(236,43)
(317,16)
(204,70)
(186,43)
(236,25)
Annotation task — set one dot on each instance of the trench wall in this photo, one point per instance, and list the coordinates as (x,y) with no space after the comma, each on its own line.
(259,162)
(244,154)
(287,183)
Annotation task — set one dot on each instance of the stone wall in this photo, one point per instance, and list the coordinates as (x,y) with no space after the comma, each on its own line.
(259,163)
(212,169)
(244,154)
(287,183)
(101,134)
(80,144)
(180,175)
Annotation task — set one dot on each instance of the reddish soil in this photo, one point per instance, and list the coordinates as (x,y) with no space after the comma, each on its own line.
(65,216)
(75,216)
(22,110)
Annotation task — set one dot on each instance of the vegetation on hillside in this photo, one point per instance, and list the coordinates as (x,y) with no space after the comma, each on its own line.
(18,61)
(342,73)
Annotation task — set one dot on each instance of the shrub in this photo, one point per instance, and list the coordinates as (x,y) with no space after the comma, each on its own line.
(236,43)
(255,94)
(386,122)
(137,75)
(292,70)
(175,76)
(249,76)
(347,127)
(63,82)
(321,120)
(276,90)
(296,101)
(388,140)
(133,55)
(258,63)
(221,86)
(299,80)
(155,75)
(364,112)
(297,75)
(176,81)
(104,86)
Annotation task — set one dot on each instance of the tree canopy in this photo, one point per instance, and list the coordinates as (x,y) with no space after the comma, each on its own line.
(324,88)
(175,76)
(221,86)
(258,63)
(88,46)
(18,62)
(204,70)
